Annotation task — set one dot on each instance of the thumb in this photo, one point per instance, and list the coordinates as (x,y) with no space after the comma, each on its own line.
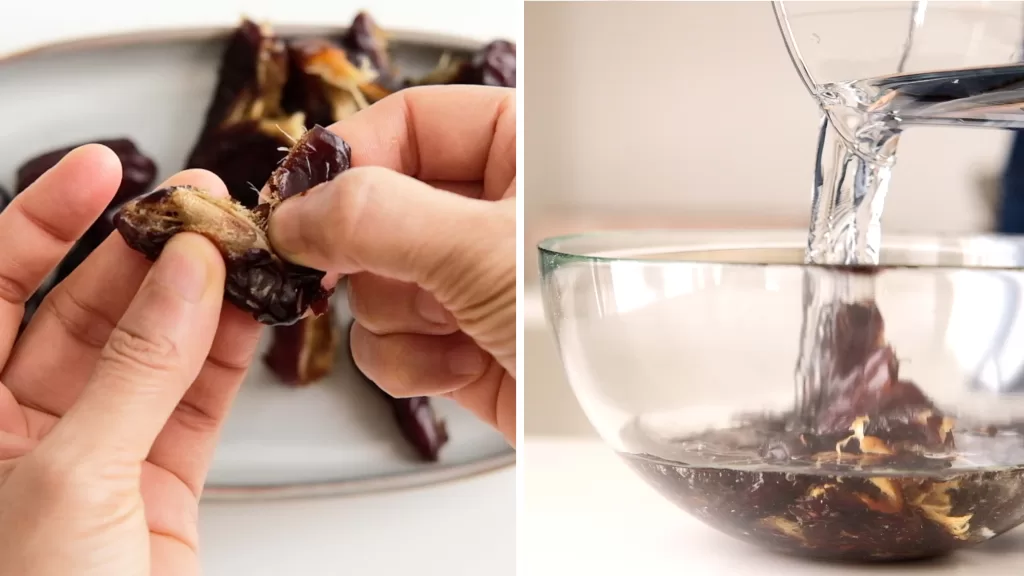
(372,219)
(151,358)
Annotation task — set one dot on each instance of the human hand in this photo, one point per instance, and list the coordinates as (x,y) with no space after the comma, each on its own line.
(112,398)
(424,227)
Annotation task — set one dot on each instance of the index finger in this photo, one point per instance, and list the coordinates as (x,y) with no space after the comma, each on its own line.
(447,133)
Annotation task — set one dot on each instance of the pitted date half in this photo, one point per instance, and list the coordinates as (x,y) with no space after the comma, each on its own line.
(273,290)
(245,127)
(304,352)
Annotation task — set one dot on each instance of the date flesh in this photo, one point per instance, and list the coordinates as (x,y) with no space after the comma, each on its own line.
(258,281)
(304,352)
(325,84)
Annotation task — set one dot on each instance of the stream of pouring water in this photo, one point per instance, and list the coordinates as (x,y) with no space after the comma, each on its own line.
(857,143)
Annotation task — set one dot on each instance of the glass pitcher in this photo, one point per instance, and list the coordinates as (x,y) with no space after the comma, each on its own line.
(876,68)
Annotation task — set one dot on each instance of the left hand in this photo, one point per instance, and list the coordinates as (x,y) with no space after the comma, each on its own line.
(112,399)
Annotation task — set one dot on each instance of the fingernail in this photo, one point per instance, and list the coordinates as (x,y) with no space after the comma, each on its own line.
(431,309)
(182,267)
(466,361)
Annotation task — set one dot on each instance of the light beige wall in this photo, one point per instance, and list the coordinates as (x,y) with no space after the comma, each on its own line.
(694,106)
(690,113)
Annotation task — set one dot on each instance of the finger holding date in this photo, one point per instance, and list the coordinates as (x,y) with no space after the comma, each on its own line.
(262,135)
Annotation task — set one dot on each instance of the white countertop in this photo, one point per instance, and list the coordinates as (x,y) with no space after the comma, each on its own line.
(586,513)
(463,528)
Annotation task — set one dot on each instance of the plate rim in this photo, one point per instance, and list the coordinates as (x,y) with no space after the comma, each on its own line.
(425,477)
(441,475)
(219,32)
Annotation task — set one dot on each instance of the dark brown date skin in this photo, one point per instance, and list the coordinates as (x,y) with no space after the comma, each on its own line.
(253,71)
(258,281)
(246,133)
(246,154)
(274,291)
(138,171)
(420,425)
(317,157)
(304,352)
(365,37)
(492,65)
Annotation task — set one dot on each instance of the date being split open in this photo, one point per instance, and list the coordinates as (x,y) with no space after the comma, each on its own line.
(258,280)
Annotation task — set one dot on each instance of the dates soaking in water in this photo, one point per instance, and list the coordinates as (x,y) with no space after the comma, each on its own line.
(878,473)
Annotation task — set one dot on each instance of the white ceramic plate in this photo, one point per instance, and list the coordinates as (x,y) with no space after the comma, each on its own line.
(336,436)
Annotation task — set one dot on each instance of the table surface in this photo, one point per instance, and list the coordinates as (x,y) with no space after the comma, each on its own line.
(463,528)
(586,513)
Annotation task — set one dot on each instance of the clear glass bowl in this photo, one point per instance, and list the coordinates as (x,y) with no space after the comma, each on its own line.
(684,350)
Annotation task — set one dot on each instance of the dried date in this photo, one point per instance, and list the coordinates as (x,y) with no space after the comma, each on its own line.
(245,154)
(304,352)
(326,84)
(420,425)
(492,65)
(253,72)
(246,127)
(273,290)
(844,516)
(138,171)
(365,38)
(417,421)
(865,407)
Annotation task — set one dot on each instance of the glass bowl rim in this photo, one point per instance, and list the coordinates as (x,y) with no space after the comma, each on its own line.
(693,240)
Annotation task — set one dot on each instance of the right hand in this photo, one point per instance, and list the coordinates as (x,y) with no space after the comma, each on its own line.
(424,226)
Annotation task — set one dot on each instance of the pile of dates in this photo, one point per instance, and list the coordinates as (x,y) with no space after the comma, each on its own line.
(264,130)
